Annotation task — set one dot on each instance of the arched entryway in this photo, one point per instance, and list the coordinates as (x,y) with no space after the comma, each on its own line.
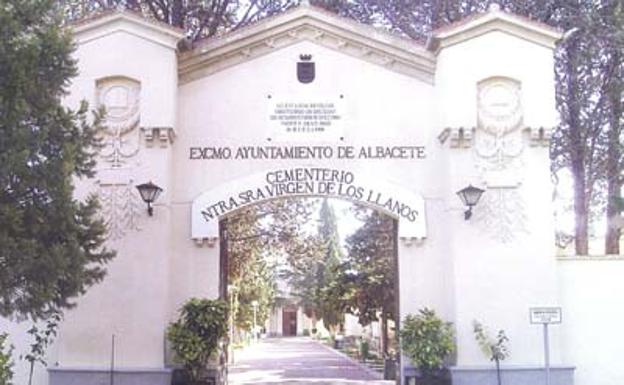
(308,304)
(358,186)
(213,209)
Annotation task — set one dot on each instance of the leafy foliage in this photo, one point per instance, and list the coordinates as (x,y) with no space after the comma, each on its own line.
(427,340)
(495,349)
(330,310)
(589,140)
(369,270)
(611,21)
(199,18)
(50,244)
(256,284)
(196,335)
(6,363)
(42,339)
(579,141)
(313,272)
(256,235)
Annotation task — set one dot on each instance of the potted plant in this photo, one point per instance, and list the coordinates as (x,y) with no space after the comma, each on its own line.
(495,349)
(428,342)
(195,337)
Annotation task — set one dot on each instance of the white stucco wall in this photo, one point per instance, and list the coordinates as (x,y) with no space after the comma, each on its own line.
(132,301)
(593,316)
(496,281)
(20,340)
(229,109)
(459,269)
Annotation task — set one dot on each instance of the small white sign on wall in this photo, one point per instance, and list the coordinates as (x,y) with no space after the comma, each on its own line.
(545,315)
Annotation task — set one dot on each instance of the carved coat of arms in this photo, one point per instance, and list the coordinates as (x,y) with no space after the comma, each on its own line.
(305,69)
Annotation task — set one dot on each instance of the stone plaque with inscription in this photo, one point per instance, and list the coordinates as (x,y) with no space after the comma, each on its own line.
(305,120)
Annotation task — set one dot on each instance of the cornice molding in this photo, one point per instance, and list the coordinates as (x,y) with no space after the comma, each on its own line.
(491,21)
(305,23)
(128,22)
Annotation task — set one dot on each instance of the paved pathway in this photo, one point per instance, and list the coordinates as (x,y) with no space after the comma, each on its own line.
(297,360)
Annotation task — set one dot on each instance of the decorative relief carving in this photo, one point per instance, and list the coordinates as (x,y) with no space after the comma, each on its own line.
(498,144)
(120,97)
(162,135)
(210,242)
(499,141)
(499,106)
(502,213)
(498,149)
(409,63)
(461,137)
(120,208)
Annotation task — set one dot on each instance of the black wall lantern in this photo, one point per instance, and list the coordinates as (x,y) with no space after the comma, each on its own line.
(149,193)
(470,196)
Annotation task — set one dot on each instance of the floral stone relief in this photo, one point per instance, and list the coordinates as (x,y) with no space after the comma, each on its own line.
(498,149)
(121,207)
(120,97)
(120,202)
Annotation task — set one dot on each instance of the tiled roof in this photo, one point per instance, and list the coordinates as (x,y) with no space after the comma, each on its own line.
(493,9)
(128,12)
(343,20)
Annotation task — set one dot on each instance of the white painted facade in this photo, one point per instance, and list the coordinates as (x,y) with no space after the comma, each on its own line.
(479,100)
(591,327)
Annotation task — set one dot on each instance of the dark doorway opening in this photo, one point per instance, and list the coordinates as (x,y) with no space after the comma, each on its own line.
(289,322)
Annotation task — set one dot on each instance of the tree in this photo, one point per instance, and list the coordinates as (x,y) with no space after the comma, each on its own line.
(199,18)
(314,266)
(328,304)
(583,143)
(495,349)
(256,284)
(256,235)
(51,245)
(588,140)
(575,141)
(612,38)
(42,339)
(369,273)
(301,272)
(267,227)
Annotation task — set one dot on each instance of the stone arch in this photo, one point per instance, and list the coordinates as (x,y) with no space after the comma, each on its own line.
(405,205)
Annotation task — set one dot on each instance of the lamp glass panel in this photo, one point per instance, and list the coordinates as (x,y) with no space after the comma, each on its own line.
(149,192)
(470,195)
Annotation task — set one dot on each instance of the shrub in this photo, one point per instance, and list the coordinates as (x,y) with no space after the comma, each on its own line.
(196,335)
(42,339)
(364,350)
(6,364)
(427,340)
(495,349)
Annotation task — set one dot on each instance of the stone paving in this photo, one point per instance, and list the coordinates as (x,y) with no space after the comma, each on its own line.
(297,360)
